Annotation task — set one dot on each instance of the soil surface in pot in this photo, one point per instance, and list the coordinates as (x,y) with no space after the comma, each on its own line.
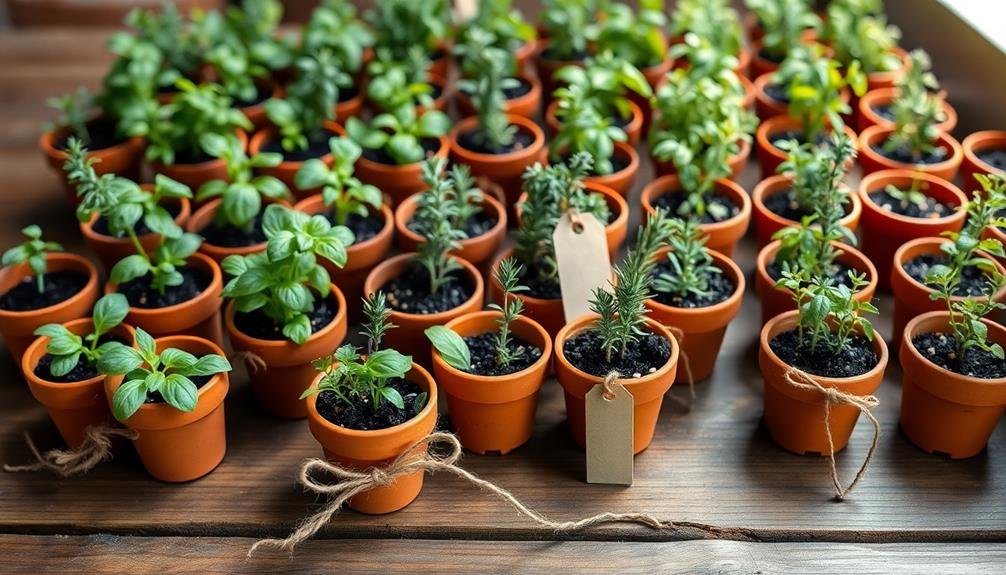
(59,286)
(644,357)
(995,157)
(363,227)
(347,93)
(82,371)
(362,416)
(513,93)
(539,287)
(471,141)
(932,209)
(856,358)
(228,236)
(549,54)
(798,135)
(474,226)
(720,288)
(905,156)
(101,134)
(672,202)
(784,205)
(430,146)
(141,294)
(883,110)
(101,224)
(317,146)
(838,274)
(941,349)
(198,380)
(774,58)
(483,353)
(262,93)
(189,157)
(410,292)
(258,325)
(777,92)
(973,281)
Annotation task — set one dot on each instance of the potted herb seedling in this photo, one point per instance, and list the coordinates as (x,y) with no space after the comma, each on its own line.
(400,25)
(568,28)
(857,30)
(636,36)
(920,264)
(171,390)
(984,153)
(335,28)
(172,38)
(513,33)
(365,410)
(285,310)
(39,285)
(521,92)
(828,340)
(785,25)
(395,84)
(876,106)
(61,367)
(458,199)
(718,26)
(230,222)
(491,364)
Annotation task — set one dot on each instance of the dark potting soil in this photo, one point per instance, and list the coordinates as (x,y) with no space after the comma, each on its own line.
(839,273)
(430,146)
(721,287)
(784,205)
(141,294)
(931,210)
(410,292)
(483,352)
(192,157)
(672,202)
(101,224)
(362,416)
(258,325)
(884,111)
(537,287)
(470,141)
(199,380)
(774,58)
(619,162)
(347,93)
(513,93)
(101,134)
(995,157)
(905,156)
(262,93)
(475,226)
(646,356)
(941,349)
(81,372)
(973,281)
(798,135)
(59,286)
(777,92)
(228,236)
(549,54)
(856,358)
(317,146)
(363,227)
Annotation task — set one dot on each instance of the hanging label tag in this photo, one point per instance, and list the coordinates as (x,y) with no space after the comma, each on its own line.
(581,252)
(464,10)
(609,435)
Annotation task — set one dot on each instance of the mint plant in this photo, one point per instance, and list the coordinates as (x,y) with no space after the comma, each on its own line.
(570,26)
(340,190)
(334,27)
(713,21)
(395,84)
(785,22)
(252,26)
(436,218)
(73,113)
(815,84)
(69,349)
(858,32)
(500,18)
(606,81)
(918,113)
(828,314)
(582,128)
(399,133)
(309,101)
(635,36)
(692,266)
(490,68)
(401,24)
(32,252)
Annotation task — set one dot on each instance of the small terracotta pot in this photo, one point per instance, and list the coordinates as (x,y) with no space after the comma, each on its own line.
(760,65)
(204,218)
(703,327)
(288,370)
(776,301)
(547,68)
(633,129)
(972,164)
(883,231)
(647,391)
(198,317)
(494,414)
(195,175)
(622,180)
(942,411)
(878,80)
(795,417)
(737,162)
(526,105)
(361,257)
(766,106)
(477,250)
(767,222)
(441,58)
(506,170)
(524,55)
(111,249)
(287,170)
(868,116)
(256,112)
(122,159)
(174,445)
(548,313)
(870,160)
(352,107)
(769,156)
(397,182)
(615,230)
(723,236)
(75,406)
(18,327)
(375,448)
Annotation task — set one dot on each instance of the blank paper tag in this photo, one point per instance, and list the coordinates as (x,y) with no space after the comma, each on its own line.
(464,10)
(581,251)
(609,435)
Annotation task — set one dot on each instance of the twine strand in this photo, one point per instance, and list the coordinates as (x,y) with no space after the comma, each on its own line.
(253,363)
(97,447)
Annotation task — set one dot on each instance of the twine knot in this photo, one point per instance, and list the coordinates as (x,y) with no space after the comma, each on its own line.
(96,447)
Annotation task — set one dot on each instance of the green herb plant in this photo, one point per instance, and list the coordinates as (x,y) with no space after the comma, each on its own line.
(401,24)
(394,84)
(74,113)
(335,27)
(342,192)
(32,252)
(436,219)
(491,69)
(918,113)
(912,196)
(500,18)
(707,61)
(309,101)
(635,36)
(785,22)
(858,32)
(254,24)
(171,35)
(399,133)
(69,349)
(691,265)
(828,314)
(713,21)
(582,128)
(607,81)
(570,26)
(456,199)
(815,85)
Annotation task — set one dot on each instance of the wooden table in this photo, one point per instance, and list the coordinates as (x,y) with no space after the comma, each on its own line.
(712,464)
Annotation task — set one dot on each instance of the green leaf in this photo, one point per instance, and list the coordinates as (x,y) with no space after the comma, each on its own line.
(179,392)
(52,330)
(434,124)
(404,148)
(451,347)
(128,398)
(119,359)
(234,265)
(294,297)
(147,347)
(241,203)
(388,363)
(165,187)
(211,189)
(211,364)
(177,359)
(64,344)
(312,174)
(129,268)
(154,380)
(184,246)
(271,187)
(392,396)
(281,246)
(109,312)
(298,330)
(63,364)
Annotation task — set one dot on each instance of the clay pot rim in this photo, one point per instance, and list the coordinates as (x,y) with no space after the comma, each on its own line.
(886,96)
(468,156)
(211,206)
(81,263)
(767,187)
(869,183)
(402,228)
(958,379)
(200,166)
(783,122)
(433,318)
(973,143)
(633,167)
(545,343)
(597,188)
(528,298)
(543,45)
(670,183)
(762,96)
(47,141)
(211,291)
(935,243)
(574,327)
(340,316)
(771,248)
(635,118)
(307,206)
(534,92)
(268,133)
(873,134)
(727,265)
(373,166)
(29,363)
(888,76)
(87,228)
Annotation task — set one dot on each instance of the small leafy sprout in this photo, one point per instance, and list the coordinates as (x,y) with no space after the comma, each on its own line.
(490,69)
(401,24)
(253,28)
(376,312)
(714,21)
(67,348)
(395,84)
(334,27)
(689,259)
(466,196)
(147,372)
(283,280)
(451,347)
(506,23)
(605,82)
(815,84)
(242,192)
(435,218)
(582,128)
(570,26)
(858,32)
(813,170)
(635,36)
(828,313)
(162,266)
(508,275)
(784,22)
(340,190)
(399,133)
(33,253)
(918,112)
(912,196)
(309,101)
(74,112)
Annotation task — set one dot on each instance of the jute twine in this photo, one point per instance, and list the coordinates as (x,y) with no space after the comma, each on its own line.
(352,482)
(252,361)
(97,447)
(679,337)
(865,403)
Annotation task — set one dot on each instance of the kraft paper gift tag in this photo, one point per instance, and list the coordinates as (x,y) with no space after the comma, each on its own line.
(581,252)
(609,434)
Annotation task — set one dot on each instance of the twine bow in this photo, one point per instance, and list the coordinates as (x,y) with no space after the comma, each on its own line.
(97,447)
(865,403)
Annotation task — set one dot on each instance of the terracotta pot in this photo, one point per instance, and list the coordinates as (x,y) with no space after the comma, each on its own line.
(647,391)
(723,236)
(548,313)
(195,175)
(287,170)
(703,327)
(202,219)
(795,417)
(524,55)
(397,182)
(494,414)
(616,230)
(442,63)
(767,222)
(477,250)
(766,106)
(256,112)
(769,156)
(288,370)
(867,114)
(526,105)
(506,170)
(972,164)
(75,406)
(174,445)
(884,231)
(111,249)
(361,257)
(122,159)
(878,80)
(352,107)
(198,317)
(441,101)
(760,65)
(18,327)
(375,448)
(547,67)
(622,180)
(870,160)
(776,301)
(737,163)
(633,129)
